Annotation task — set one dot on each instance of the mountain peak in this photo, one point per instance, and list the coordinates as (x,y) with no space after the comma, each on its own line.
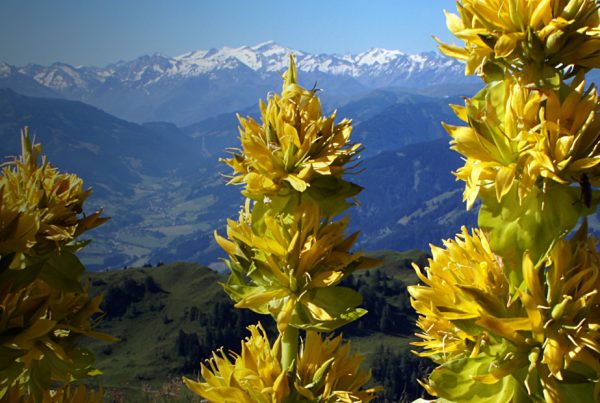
(193,55)
(264,45)
(272,48)
(5,69)
(378,56)
(264,58)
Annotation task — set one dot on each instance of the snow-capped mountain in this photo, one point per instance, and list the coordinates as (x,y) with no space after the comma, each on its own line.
(202,83)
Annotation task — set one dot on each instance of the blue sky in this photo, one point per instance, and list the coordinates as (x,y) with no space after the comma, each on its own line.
(99,32)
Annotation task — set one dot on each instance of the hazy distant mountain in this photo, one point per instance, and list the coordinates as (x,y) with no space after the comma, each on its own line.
(11,77)
(411,198)
(388,120)
(204,83)
(383,120)
(163,186)
(108,151)
(134,170)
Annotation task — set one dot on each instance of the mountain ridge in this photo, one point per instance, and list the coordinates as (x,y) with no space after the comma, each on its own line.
(267,57)
(203,83)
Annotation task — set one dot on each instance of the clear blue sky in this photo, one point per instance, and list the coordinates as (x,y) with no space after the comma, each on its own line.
(99,32)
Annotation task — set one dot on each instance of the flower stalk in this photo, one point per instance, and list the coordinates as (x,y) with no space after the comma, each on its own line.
(288,256)
(45,308)
(510,310)
(289,348)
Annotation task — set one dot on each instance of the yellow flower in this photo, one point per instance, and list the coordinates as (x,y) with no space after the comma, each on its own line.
(253,376)
(39,206)
(289,266)
(550,326)
(327,371)
(45,308)
(41,327)
(293,146)
(562,301)
(524,35)
(518,135)
(462,281)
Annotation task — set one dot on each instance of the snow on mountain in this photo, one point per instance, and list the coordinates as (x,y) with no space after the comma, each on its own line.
(204,83)
(5,69)
(63,77)
(377,56)
(265,58)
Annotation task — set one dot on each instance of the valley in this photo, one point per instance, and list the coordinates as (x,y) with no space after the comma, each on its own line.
(164,187)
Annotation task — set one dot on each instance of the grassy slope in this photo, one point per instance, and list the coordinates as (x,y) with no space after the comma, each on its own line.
(147,358)
(146,353)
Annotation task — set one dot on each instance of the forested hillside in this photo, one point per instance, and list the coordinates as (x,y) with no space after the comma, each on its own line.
(169,318)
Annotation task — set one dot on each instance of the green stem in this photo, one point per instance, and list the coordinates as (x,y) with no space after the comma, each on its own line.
(289,347)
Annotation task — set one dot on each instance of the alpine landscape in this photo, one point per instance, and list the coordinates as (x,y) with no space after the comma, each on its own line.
(148,136)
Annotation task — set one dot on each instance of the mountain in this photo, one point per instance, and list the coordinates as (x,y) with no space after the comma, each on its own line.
(408,119)
(163,185)
(410,198)
(11,77)
(383,120)
(205,83)
(134,170)
(169,318)
(105,150)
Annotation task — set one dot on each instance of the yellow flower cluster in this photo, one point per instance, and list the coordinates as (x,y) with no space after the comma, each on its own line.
(326,371)
(525,36)
(329,372)
(288,253)
(294,145)
(463,280)
(511,312)
(519,135)
(550,327)
(254,375)
(294,264)
(44,307)
(39,206)
(563,307)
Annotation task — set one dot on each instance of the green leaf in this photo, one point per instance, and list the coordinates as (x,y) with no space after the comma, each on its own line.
(542,218)
(577,392)
(492,72)
(58,364)
(83,359)
(238,287)
(21,278)
(454,381)
(8,356)
(40,379)
(63,272)
(259,211)
(37,330)
(320,373)
(338,302)
(76,246)
(8,376)
(332,194)
(549,77)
